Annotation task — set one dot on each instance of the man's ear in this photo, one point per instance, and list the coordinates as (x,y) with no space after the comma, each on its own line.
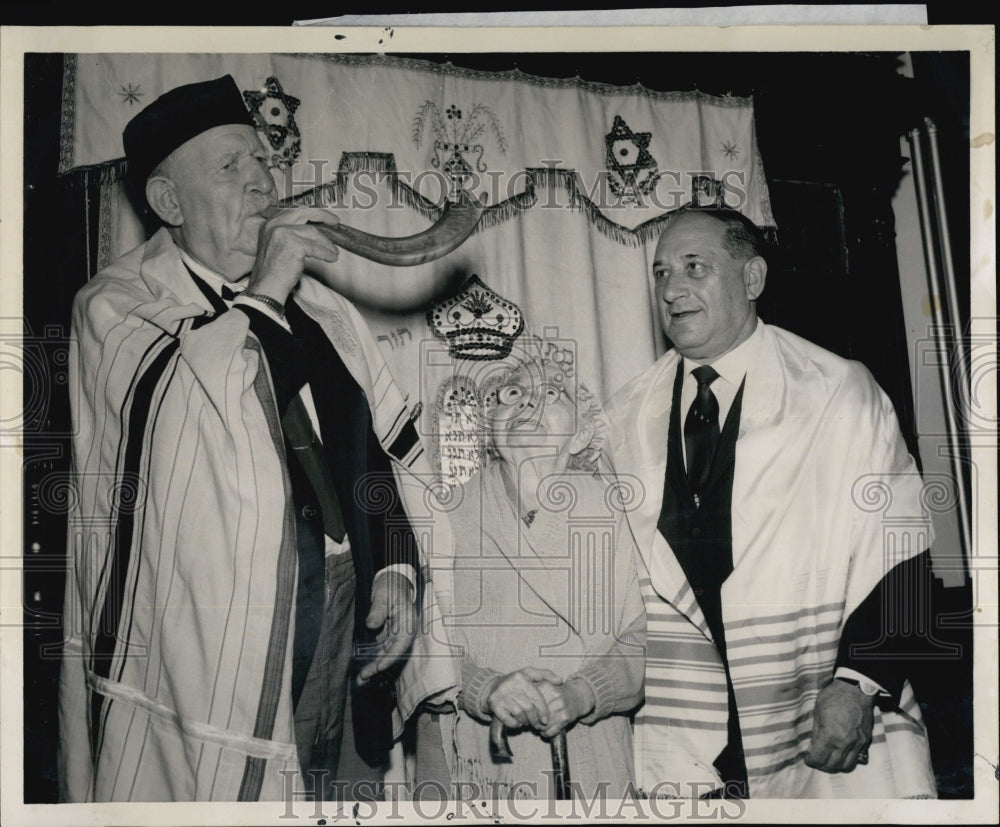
(754,277)
(161,194)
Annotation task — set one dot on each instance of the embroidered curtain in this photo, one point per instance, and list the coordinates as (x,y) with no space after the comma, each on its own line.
(578,180)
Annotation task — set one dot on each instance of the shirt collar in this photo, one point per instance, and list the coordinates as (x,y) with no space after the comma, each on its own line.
(733,364)
(210,277)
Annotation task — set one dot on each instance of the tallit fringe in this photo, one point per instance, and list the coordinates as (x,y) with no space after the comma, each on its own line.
(470,773)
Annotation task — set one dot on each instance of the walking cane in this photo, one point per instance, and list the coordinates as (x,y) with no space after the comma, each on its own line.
(560,767)
(501,753)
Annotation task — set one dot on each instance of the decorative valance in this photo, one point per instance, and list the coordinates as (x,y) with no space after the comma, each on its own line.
(578,179)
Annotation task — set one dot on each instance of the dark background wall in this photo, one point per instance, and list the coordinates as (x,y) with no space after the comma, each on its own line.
(828,129)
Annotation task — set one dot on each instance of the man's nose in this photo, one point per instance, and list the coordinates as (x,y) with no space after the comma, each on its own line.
(262,180)
(672,288)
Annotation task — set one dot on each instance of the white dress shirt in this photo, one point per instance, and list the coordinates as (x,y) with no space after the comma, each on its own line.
(731,366)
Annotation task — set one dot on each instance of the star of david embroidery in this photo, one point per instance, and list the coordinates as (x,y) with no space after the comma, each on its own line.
(633,169)
(628,151)
(273,114)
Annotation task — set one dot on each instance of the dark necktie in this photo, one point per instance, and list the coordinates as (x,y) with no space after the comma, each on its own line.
(701,430)
(299,431)
(228,294)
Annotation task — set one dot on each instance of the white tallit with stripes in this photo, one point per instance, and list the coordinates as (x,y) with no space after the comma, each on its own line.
(826,500)
(176,681)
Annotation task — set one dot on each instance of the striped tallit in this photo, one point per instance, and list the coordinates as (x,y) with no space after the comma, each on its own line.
(181,584)
(826,500)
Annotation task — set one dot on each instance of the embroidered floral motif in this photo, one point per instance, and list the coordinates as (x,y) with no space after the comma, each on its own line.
(632,170)
(273,114)
(458,152)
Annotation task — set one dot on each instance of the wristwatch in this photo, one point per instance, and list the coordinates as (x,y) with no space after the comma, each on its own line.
(272,304)
(867,687)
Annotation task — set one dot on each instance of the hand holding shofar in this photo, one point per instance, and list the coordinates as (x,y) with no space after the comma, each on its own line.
(454,226)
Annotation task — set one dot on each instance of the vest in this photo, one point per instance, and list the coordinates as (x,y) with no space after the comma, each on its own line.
(379,535)
(702,540)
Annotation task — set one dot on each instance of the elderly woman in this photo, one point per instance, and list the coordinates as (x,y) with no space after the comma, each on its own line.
(547,613)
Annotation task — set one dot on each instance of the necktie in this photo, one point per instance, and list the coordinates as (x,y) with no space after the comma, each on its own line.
(701,430)
(228,294)
(299,430)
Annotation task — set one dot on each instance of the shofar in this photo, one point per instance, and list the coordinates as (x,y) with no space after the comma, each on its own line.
(456,224)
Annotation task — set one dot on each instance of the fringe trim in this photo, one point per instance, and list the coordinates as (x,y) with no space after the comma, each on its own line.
(470,773)
(96,175)
(545,180)
(515,74)
(758,174)
(379,164)
(105,256)
(568,181)
(67,117)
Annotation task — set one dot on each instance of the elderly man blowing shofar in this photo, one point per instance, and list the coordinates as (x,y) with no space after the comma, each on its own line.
(223,549)
(775,664)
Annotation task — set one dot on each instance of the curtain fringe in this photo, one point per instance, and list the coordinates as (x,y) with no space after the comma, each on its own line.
(96,175)
(380,164)
(726,100)
(383,165)
(538,178)
(414,200)
(568,180)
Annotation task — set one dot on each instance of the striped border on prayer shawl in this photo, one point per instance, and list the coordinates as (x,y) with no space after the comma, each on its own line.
(138,417)
(400,440)
(684,674)
(779,663)
(277,646)
(681,609)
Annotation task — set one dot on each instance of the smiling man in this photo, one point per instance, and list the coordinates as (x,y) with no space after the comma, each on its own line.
(776,657)
(225,563)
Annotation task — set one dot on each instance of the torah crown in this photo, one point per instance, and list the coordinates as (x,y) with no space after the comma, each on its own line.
(476,322)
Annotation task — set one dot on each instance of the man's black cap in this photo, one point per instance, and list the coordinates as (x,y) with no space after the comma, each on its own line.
(175,118)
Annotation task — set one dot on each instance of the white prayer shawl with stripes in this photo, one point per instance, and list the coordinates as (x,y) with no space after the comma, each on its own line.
(176,681)
(826,500)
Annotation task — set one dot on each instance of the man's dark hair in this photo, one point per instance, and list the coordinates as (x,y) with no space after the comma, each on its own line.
(743,239)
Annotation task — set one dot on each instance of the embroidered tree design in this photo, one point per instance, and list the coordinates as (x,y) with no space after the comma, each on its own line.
(456,136)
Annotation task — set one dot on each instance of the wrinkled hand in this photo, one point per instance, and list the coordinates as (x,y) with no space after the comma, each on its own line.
(393,612)
(285,242)
(516,700)
(567,702)
(842,728)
